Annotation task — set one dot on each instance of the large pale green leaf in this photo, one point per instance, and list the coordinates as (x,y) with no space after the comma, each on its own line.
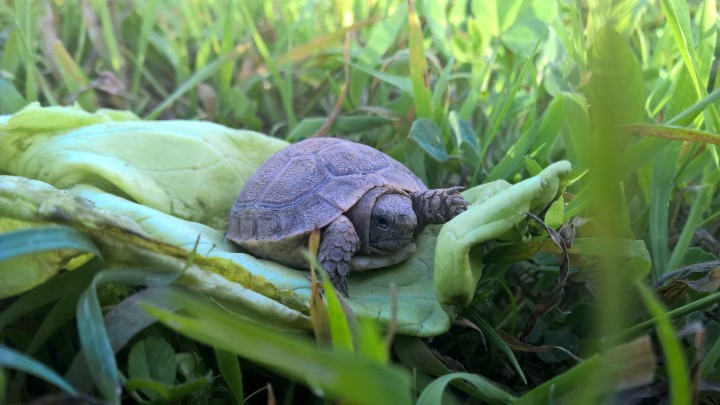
(502,216)
(146,192)
(190,169)
(124,243)
(40,252)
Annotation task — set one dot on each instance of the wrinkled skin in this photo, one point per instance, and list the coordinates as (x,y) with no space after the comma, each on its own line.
(392,223)
(381,223)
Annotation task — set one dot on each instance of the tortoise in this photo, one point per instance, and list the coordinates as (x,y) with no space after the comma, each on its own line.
(368,207)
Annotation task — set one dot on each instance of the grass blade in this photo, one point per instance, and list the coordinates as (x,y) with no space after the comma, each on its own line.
(25,28)
(96,345)
(496,340)
(676,364)
(500,118)
(18,361)
(52,290)
(661,187)
(418,66)
(40,239)
(338,322)
(108,34)
(122,322)
(700,204)
(94,339)
(285,91)
(74,78)
(231,372)
(11,101)
(491,394)
(198,77)
(148,21)
(338,374)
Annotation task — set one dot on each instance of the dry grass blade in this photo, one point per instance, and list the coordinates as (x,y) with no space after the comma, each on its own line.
(318,310)
(673,133)
(552,298)
(675,284)
(528,348)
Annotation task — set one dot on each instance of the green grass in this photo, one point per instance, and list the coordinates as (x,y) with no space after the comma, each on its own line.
(462,92)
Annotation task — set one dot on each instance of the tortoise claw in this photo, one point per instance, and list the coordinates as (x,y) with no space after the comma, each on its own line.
(342,287)
(438,206)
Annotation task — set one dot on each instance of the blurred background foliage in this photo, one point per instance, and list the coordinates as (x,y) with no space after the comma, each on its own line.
(462,92)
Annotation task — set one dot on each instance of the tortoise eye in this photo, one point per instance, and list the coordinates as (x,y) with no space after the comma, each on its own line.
(383,222)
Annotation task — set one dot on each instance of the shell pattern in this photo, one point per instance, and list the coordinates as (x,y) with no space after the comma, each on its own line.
(308,185)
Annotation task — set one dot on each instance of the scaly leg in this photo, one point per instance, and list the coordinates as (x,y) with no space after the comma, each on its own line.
(437,206)
(338,244)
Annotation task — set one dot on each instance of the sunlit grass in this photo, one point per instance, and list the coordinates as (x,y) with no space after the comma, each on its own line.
(462,92)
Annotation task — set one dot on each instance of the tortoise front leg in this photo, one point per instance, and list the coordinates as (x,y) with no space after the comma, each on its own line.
(338,244)
(437,206)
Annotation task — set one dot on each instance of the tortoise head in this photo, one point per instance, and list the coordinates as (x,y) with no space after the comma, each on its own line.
(392,222)
(384,220)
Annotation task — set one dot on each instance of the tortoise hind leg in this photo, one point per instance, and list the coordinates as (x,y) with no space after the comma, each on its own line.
(338,244)
(437,206)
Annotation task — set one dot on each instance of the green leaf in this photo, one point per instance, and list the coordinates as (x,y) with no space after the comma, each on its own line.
(152,359)
(532,166)
(371,343)
(521,37)
(338,374)
(219,269)
(168,394)
(18,361)
(197,179)
(462,133)
(11,101)
(429,137)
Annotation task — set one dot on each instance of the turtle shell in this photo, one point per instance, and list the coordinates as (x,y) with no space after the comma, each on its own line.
(305,187)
